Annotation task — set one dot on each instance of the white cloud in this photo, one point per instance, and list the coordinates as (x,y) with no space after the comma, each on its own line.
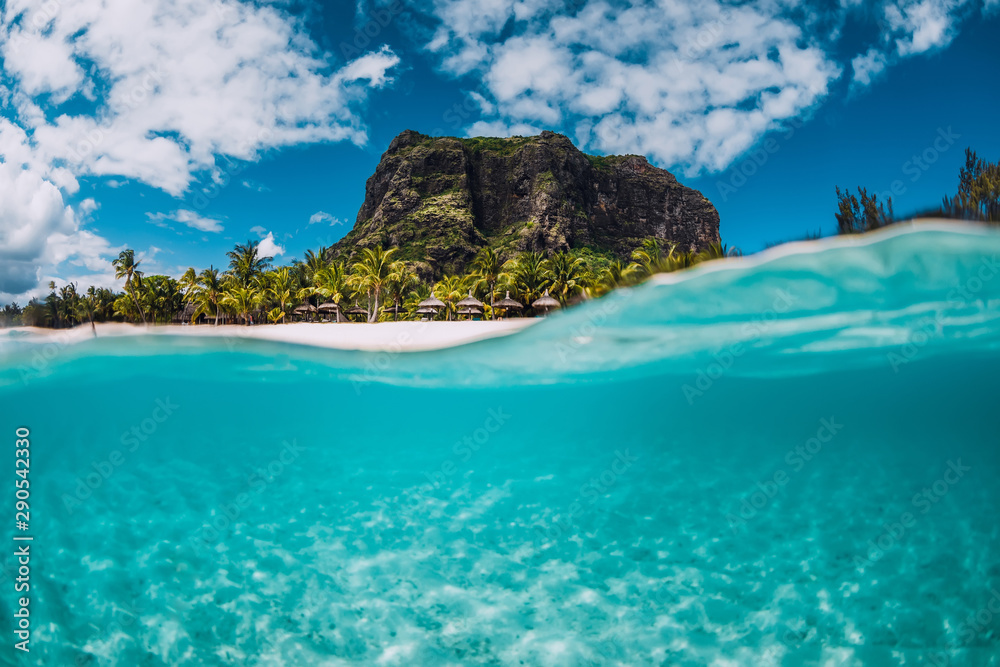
(160,89)
(188,82)
(868,66)
(694,84)
(188,218)
(258,230)
(324,217)
(691,84)
(923,25)
(269,248)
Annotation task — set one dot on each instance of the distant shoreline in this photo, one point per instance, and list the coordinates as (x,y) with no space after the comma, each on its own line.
(381,336)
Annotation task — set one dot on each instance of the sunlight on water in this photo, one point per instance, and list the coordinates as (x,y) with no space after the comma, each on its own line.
(786,462)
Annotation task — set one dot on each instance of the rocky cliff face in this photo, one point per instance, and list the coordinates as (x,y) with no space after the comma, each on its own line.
(441,200)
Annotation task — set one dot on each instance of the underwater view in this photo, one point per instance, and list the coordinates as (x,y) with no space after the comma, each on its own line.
(785,459)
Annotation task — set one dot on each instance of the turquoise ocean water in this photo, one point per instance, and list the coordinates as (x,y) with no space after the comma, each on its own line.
(782,461)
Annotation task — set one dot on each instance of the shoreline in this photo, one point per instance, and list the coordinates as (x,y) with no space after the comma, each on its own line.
(372,337)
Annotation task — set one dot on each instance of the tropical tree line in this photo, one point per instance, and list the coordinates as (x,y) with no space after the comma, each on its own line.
(372,286)
(977,199)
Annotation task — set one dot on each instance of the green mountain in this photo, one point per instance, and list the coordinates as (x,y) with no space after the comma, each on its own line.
(442,199)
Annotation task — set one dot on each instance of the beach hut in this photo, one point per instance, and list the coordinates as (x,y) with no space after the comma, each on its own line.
(545,304)
(507,304)
(395,310)
(330,307)
(470,306)
(357,310)
(432,302)
(305,310)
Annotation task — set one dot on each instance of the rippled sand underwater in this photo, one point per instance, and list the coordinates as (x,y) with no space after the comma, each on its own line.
(782,462)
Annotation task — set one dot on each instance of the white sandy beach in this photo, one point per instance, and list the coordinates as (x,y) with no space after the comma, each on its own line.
(394,336)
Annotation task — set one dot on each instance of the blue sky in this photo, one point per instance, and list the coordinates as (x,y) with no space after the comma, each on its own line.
(180,127)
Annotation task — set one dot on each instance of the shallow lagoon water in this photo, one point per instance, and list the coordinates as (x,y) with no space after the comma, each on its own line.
(781,461)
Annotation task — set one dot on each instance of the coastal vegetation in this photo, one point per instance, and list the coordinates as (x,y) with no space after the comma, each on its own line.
(373,285)
(977,199)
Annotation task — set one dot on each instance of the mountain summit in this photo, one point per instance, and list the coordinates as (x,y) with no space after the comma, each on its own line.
(442,199)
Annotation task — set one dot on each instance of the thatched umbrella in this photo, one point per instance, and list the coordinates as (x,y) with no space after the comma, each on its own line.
(329,307)
(508,303)
(546,303)
(395,310)
(305,309)
(357,310)
(427,311)
(432,302)
(468,304)
(470,311)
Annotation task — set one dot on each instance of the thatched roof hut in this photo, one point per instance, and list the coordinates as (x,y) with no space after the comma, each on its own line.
(470,302)
(508,303)
(545,303)
(431,302)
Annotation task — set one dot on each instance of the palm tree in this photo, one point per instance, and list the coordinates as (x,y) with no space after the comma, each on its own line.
(245,264)
(371,273)
(188,281)
(400,282)
(127,267)
(528,275)
(87,307)
(617,274)
(568,276)
(280,285)
(333,283)
(488,265)
(207,294)
(648,257)
(241,300)
(451,290)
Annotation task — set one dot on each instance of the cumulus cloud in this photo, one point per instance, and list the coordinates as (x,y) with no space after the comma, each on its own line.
(868,66)
(269,247)
(154,91)
(694,83)
(187,218)
(923,25)
(687,84)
